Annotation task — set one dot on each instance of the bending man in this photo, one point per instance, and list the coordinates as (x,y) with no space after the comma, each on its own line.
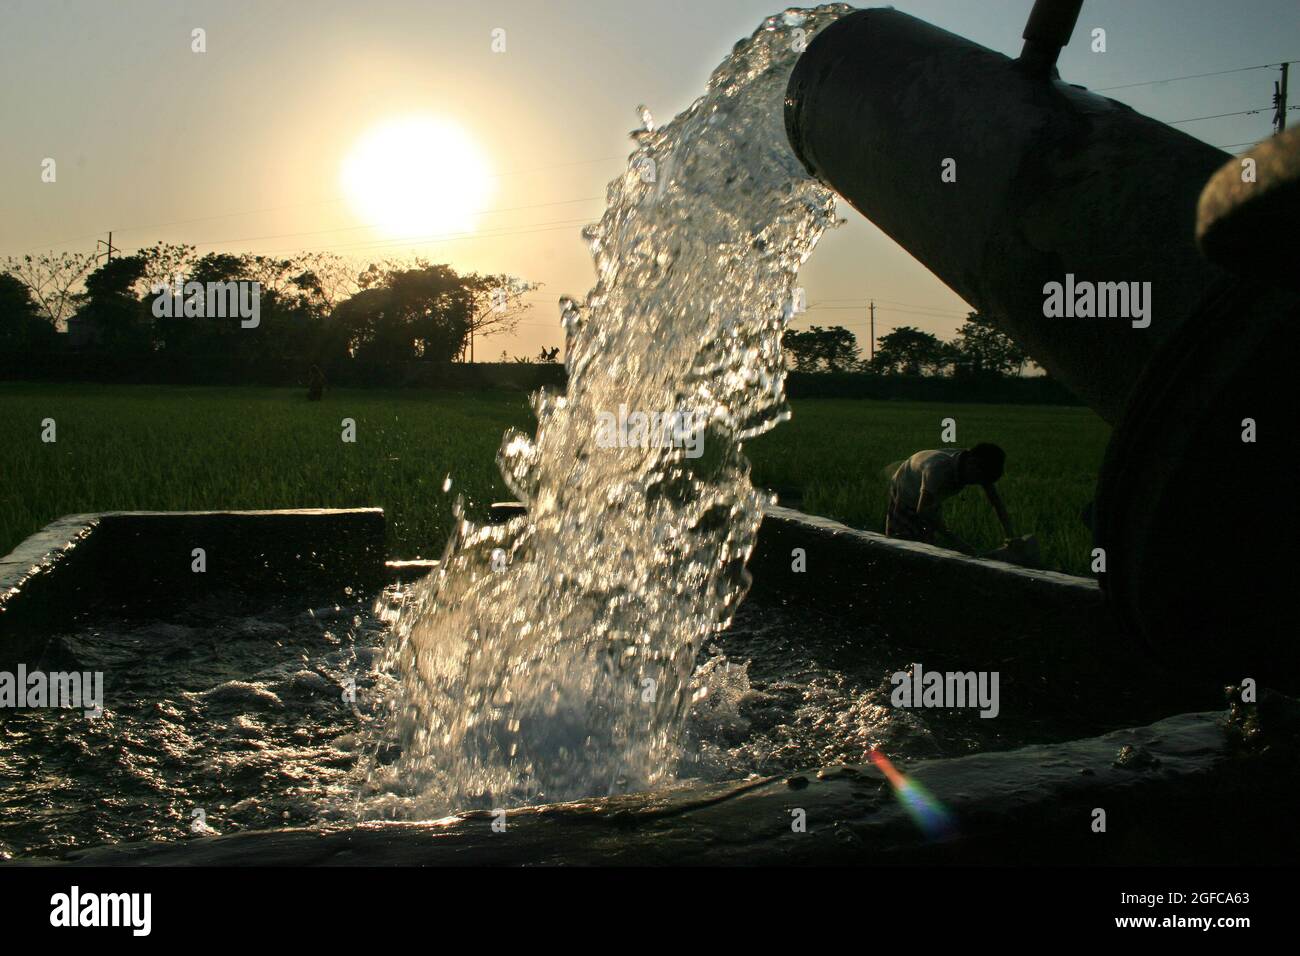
(921,484)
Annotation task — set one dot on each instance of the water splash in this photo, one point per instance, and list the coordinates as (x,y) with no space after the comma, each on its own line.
(551,658)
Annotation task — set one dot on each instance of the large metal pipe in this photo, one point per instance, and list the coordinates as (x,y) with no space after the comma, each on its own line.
(1048,180)
(1001,179)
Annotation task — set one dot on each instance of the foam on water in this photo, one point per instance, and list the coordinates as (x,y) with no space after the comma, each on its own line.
(552,658)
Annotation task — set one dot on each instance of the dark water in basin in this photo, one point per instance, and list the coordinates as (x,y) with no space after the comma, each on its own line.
(242,718)
(245,719)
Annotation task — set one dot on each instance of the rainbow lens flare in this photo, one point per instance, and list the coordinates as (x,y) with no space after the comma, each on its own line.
(934,819)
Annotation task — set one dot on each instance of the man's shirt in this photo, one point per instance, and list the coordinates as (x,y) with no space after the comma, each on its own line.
(936,472)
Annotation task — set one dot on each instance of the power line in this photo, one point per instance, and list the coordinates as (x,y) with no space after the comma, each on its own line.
(525,171)
(1192,76)
(863,303)
(1252,142)
(933,315)
(1197,119)
(865,300)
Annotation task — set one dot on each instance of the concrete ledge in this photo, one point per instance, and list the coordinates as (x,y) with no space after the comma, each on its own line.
(127,562)
(1161,786)
(928,554)
(940,598)
(135,561)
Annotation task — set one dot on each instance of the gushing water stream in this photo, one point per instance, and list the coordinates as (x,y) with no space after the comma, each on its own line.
(551,658)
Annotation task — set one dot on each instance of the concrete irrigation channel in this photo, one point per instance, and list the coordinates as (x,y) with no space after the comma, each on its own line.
(1190,787)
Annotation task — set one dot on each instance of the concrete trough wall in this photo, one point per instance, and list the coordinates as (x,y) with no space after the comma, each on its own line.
(138,558)
(141,563)
(1050,634)
(1159,784)
(127,563)
(940,598)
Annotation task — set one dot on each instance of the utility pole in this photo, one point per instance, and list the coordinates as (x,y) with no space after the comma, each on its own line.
(873,329)
(1279,100)
(109,244)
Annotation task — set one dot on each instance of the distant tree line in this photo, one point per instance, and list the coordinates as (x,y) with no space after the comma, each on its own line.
(979,350)
(317,308)
(314,308)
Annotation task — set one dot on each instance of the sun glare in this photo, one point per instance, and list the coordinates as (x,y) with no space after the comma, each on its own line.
(417,176)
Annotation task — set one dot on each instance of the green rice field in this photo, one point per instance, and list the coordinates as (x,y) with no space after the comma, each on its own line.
(181,448)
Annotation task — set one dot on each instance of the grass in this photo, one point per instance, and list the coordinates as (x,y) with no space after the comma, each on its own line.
(164,448)
(181,448)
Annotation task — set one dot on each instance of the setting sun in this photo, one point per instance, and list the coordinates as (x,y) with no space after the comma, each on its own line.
(417,176)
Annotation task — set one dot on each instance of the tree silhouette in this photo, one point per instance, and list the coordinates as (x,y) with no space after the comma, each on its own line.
(313,308)
(909,351)
(52,280)
(982,349)
(22,326)
(111,306)
(420,313)
(817,349)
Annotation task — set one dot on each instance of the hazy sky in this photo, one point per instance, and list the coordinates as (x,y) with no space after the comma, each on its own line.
(240,148)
